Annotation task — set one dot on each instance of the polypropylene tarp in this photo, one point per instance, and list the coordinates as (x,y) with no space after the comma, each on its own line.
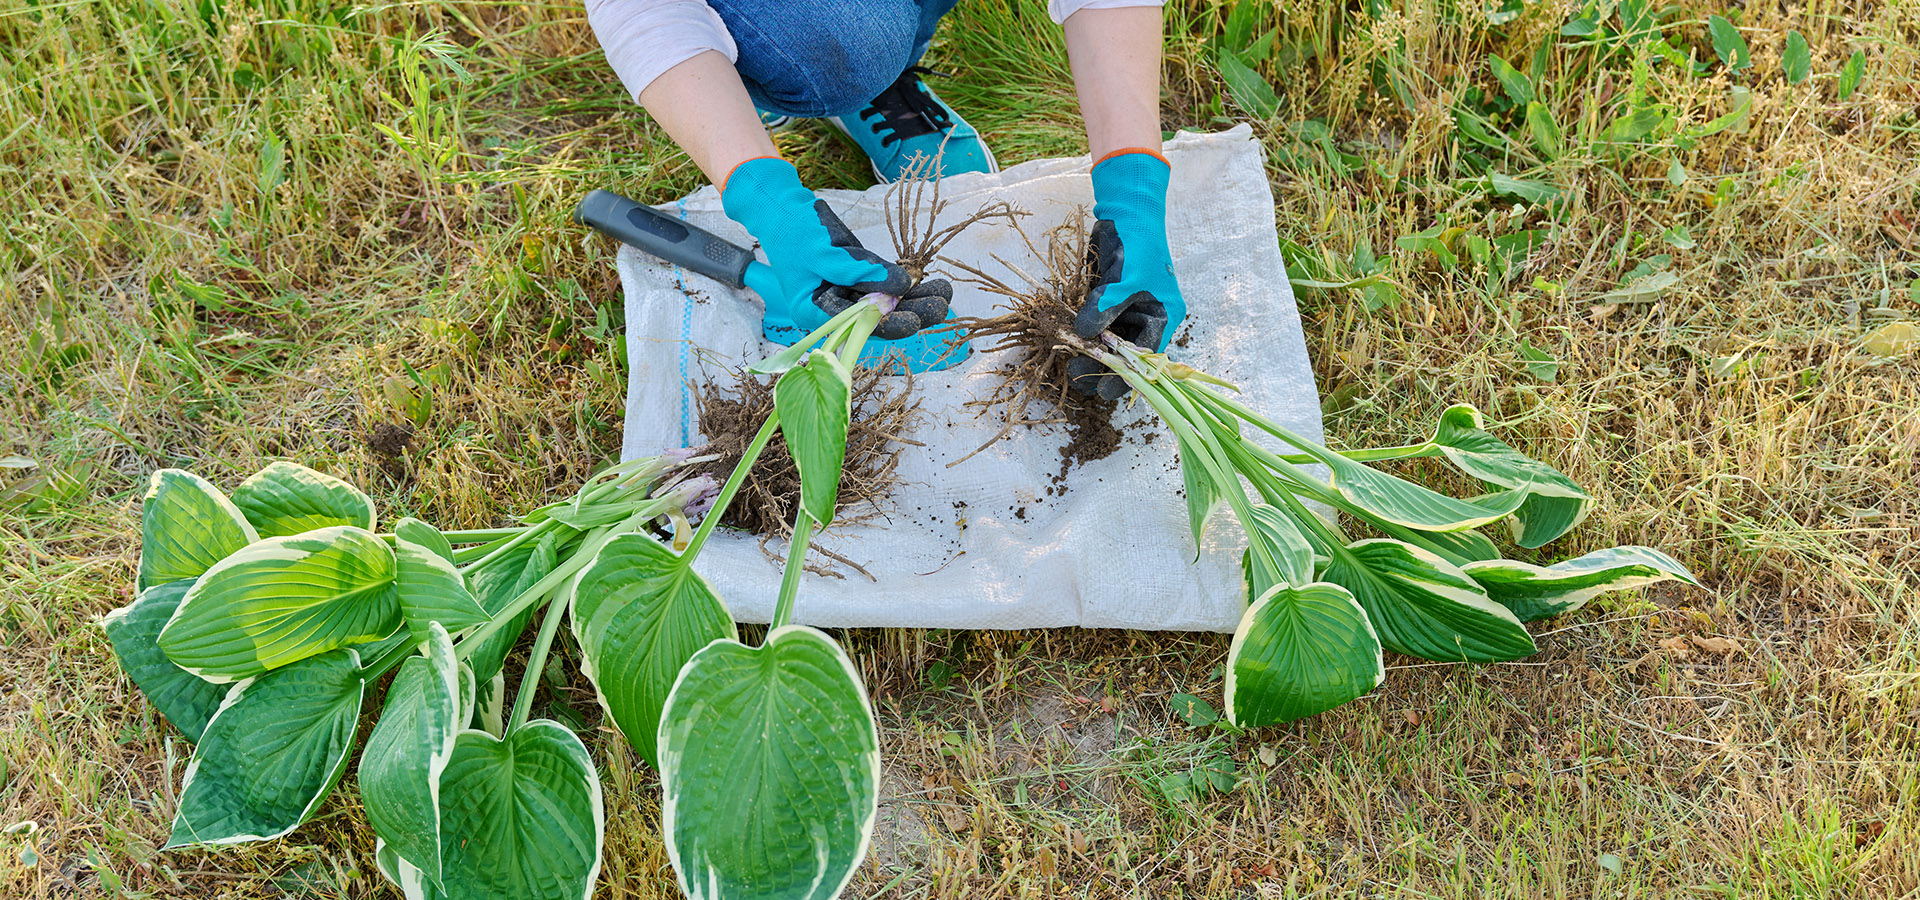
(1001,540)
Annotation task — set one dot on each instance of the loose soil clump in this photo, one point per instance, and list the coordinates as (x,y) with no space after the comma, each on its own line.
(1038,327)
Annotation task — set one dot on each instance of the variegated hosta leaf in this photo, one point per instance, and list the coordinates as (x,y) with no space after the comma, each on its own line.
(430,590)
(1202,494)
(1555,503)
(425,535)
(1425,606)
(1277,551)
(521,817)
(272,753)
(1538,592)
(639,613)
(412,882)
(1543,518)
(1457,547)
(287,498)
(186,525)
(495,587)
(1404,503)
(409,748)
(188,702)
(1300,651)
(815,403)
(282,600)
(769,769)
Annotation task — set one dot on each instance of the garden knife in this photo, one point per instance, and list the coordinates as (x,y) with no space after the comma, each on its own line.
(655,233)
(694,248)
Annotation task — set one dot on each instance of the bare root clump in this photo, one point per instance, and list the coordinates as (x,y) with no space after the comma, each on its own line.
(884,412)
(1037,332)
(914,206)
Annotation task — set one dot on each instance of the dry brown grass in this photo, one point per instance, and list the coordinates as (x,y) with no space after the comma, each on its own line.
(1734,420)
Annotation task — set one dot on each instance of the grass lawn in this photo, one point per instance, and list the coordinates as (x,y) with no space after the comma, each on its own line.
(234,232)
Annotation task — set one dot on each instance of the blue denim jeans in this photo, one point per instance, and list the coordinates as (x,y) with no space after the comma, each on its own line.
(832,58)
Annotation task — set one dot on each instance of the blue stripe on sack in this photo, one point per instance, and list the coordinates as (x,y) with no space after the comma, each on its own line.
(686,342)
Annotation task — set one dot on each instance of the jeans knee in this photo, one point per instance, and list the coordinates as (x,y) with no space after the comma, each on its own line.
(811,65)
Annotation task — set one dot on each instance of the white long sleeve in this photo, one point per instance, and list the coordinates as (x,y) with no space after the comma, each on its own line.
(1059,10)
(645,38)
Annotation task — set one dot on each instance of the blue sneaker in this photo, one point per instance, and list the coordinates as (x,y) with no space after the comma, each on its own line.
(908,121)
(774,121)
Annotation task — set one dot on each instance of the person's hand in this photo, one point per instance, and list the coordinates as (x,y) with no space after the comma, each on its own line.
(1134,293)
(816,267)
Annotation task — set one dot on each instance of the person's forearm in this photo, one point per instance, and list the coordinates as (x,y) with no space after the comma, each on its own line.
(705,109)
(1115,55)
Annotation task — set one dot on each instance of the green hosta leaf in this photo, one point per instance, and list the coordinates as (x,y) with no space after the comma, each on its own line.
(1201,493)
(1425,606)
(815,402)
(287,498)
(1797,60)
(639,613)
(769,769)
(282,600)
(186,701)
(272,753)
(1728,44)
(521,817)
(431,590)
(1554,504)
(425,535)
(1300,651)
(187,525)
(1538,592)
(495,586)
(1277,551)
(400,768)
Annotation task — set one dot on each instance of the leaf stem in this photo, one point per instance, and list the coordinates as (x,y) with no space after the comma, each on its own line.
(530,678)
(386,663)
(790,576)
(581,556)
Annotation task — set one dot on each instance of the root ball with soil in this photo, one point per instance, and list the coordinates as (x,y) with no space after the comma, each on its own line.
(1037,331)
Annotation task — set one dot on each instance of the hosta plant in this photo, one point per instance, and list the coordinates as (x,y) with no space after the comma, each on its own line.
(1323,604)
(263,620)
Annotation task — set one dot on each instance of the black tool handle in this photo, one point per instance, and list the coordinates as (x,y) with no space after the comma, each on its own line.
(652,231)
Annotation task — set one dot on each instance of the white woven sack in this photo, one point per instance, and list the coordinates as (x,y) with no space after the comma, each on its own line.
(984,544)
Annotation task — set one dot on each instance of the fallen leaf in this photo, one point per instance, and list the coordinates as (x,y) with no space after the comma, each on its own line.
(1267,756)
(1717,646)
(1413,718)
(1676,645)
(1893,339)
(955,819)
(1516,780)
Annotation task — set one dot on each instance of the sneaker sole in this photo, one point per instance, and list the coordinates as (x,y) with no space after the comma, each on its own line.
(993,165)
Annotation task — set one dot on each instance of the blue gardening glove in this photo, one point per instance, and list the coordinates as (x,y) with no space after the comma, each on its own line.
(816,267)
(1134,294)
